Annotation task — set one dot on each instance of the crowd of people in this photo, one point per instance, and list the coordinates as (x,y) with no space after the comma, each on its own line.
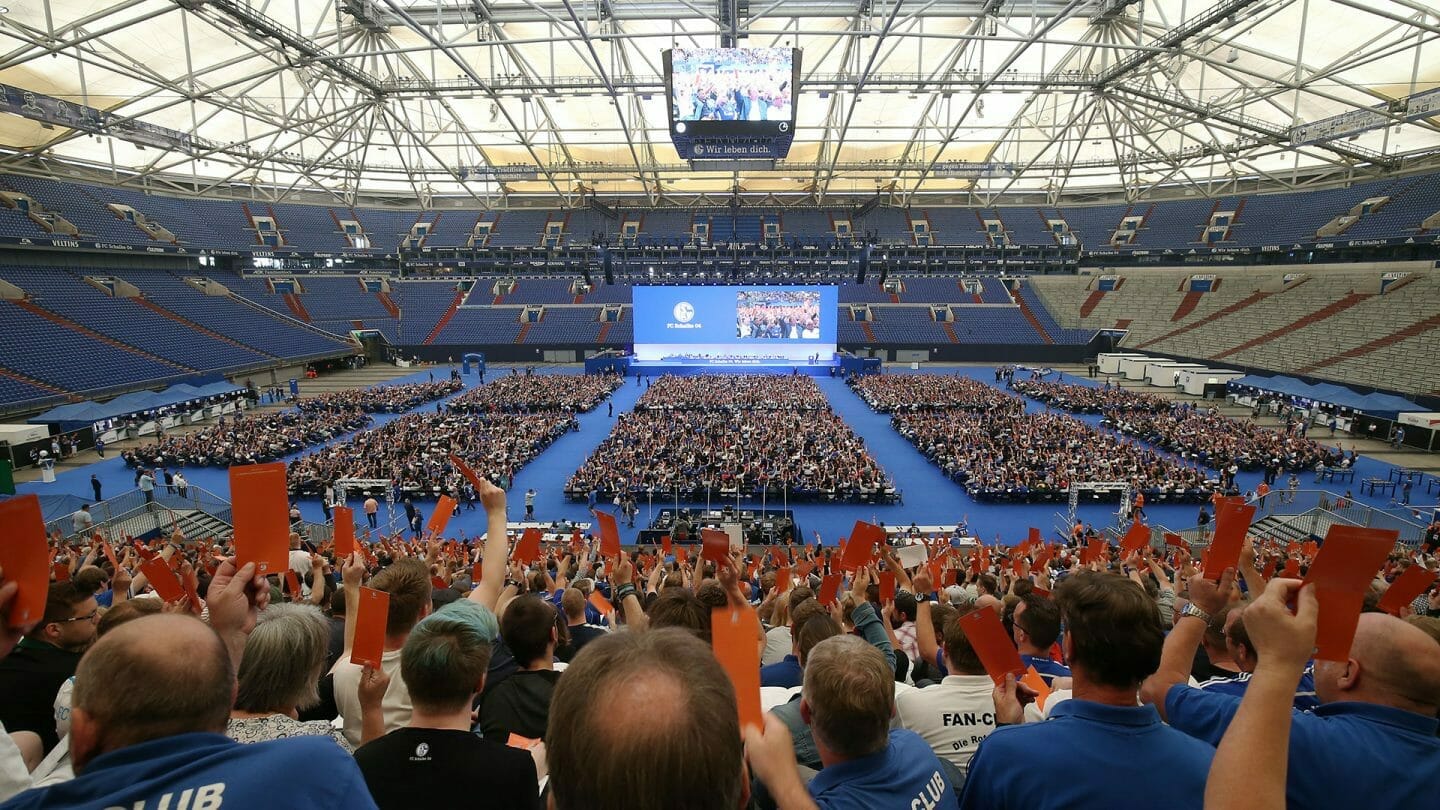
(777,315)
(1207,437)
(625,680)
(741,392)
(247,438)
(1009,455)
(532,393)
(382,398)
(1090,399)
(412,452)
(732,85)
(898,393)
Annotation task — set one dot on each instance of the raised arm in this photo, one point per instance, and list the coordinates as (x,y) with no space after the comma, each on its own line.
(1178,656)
(497,547)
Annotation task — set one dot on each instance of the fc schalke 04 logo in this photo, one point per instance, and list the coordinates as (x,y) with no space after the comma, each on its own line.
(684,313)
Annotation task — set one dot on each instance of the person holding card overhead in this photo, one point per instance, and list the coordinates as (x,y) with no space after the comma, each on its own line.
(955,715)
(46,658)
(848,700)
(407,581)
(150,706)
(444,661)
(1099,748)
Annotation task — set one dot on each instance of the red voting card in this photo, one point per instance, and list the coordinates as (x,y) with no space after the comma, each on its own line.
(24,557)
(464,469)
(1292,569)
(516,741)
(1176,540)
(992,644)
(370,622)
(444,508)
(860,548)
(1136,538)
(192,590)
(438,583)
(1034,539)
(109,554)
(1405,588)
(887,587)
(344,532)
(609,534)
(1232,521)
(601,604)
(1033,680)
(715,546)
(476,571)
(665,544)
(162,579)
(1341,573)
(62,571)
(527,550)
(1091,551)
(1270,566)
(803,569)
(782,579)
(259,509)
(829,589)
(734,635)
(292,585)
(682,555)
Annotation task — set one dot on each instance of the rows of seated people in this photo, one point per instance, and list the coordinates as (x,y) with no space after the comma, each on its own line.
(1152,684)
(527,393)
(1165,223)
(381,398)
(247,439)
(1009,455)
(1090,399)
(719,436)
(898,393)
(412,452)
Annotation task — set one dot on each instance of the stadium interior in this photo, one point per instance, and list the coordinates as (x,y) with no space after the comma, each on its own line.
(1042,292)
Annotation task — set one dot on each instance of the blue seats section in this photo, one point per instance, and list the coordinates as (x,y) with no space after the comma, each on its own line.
(956,226)
(481,325)
(1027,226)
(1058,334)
(530,290)
(18,392)
(51,353)
(449,228)
(518,228)
(421,304)
(128,321)
(566,325)
(993,325)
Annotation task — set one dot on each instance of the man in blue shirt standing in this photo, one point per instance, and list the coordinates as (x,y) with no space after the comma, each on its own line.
(1098,749)
(848,700)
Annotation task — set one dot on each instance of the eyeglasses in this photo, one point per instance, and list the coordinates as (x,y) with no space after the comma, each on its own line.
(88,617)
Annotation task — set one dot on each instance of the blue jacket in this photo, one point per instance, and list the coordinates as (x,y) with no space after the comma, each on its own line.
(200,771)
(785,673)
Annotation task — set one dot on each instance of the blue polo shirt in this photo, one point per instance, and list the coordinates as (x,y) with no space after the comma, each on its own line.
(211,770)
(1344,754)
(1089,755)
(786,673)
(1305,699)
(906,774)
(1047,670)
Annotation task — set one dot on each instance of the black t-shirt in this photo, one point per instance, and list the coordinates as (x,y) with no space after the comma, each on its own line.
(518,705)
(418,767)
(580,635)
(29,678)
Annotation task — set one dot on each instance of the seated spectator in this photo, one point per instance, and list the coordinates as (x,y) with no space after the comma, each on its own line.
(1373,738)
(789,671)
(573,603)
(848,701)
(814,630)
(280,676)
(1035,627)
(532,393)
(778,639)
(44,660)
(955,715)
(520,704)
(893,393)
(407,581)
(151,704)
(443,663)
(1099,745)
(689,743)
(247,439)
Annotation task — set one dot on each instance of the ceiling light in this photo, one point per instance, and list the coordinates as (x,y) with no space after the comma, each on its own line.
(1234,55)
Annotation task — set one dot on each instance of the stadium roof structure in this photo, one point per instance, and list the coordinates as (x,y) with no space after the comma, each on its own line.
(504,103)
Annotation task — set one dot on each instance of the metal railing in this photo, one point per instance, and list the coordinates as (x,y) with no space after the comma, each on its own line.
(1312,512)
(130,513)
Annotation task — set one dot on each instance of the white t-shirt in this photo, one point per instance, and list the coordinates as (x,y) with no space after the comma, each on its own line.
(396,705)
(778,643)
(953,716)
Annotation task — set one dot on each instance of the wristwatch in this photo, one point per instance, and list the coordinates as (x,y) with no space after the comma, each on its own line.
(1191,610)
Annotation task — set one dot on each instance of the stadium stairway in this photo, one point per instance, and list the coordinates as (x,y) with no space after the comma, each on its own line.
(189,324)
(389,303)
(1315,317)
(93,335)
(444,319)
(1091,301)
(1187,305)
(297,307)
(524,330)
(864,327)
(950,331)
(1418,328)
(1253,298)
(1034,321)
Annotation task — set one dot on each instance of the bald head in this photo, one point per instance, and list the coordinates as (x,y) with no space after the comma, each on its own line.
(1398,663)
(153,677)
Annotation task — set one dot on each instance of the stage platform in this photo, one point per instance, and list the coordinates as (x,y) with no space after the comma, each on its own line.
(687,366)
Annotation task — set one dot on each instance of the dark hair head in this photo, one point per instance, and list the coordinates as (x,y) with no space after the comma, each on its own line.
(526,627)
(691,735)
(443,663)
(61,601)
(1114,629)
(905,605)
(408,583)
(677,607)
(959,651)
(1040,620)
(850,691)
(815,630)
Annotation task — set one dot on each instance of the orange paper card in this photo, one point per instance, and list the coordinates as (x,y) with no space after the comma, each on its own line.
(1033,680)
(516,741)
(1232,521)
(1405,588)
(1136,538)
(992,644)
(682,555)
(609,534)
(600,603)
(665,545)
(887,587)
(370,622)
(344,532)
(733,635)
(1176,540)
(1034,538)
(476,571)
(829,589)
(292,585)
(162,579)
(1341,573)
(860,548)
(444,508)
(782,579)
(62,571)
(464,469)
(527,550)
(25,557)
(259,508)
(109,555)
(715,546)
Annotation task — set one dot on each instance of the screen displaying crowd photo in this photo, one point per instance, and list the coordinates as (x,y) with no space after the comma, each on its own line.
(732,84)
(777,315)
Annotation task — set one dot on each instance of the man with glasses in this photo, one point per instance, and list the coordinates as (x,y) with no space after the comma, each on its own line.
(44,659)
